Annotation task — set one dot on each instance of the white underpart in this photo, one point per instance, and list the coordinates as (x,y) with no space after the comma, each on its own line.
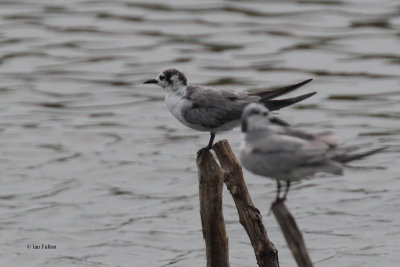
(175,104)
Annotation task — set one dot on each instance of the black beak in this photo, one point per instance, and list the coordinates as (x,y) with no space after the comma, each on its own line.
(151,81)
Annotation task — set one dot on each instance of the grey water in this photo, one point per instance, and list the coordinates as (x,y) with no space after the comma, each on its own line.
(91,161)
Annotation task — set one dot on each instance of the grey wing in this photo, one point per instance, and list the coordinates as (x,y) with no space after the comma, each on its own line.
(212,108)
(288,157)
(326,137)
(295,132)
(275,92)
(275,143)
(292,151)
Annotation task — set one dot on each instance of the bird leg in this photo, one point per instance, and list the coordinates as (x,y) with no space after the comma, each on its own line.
(278,186)
(278,192)
(210,143)
(208,147)
(286,190)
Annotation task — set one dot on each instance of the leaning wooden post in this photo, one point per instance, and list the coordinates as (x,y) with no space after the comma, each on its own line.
(249,216)
(211,178)
(292,234)
(212,219)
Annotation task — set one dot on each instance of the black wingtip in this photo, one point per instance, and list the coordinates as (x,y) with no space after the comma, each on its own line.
(278,104)
(297,85)
(297,99)
(308,80)
(308,95)
(270,94)
(278,121)
(357,156)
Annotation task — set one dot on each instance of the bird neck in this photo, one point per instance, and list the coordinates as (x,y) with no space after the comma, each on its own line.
(176,90)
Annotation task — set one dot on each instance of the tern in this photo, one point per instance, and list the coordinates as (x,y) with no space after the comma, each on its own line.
(274,149)
(216,110)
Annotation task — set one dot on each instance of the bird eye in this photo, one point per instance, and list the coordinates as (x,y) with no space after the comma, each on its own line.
(265,113)
(162,77)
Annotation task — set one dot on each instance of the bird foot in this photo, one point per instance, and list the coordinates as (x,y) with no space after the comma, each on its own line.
(279,199)
(202,150)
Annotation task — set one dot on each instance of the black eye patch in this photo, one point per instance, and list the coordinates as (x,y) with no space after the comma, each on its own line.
(258,112)
(254,112)
(244,126)
(162,77)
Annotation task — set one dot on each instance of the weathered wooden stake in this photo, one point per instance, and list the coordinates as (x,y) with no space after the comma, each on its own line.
(212,219)
(249,216)
(211,179)
(292,234)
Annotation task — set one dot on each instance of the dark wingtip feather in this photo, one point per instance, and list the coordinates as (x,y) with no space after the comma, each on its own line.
(351,157)
(269,94)
(278,104)
(278,121)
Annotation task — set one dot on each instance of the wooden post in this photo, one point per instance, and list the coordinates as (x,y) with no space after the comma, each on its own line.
(211,179)
(212,219)
(249,216)
(292,234)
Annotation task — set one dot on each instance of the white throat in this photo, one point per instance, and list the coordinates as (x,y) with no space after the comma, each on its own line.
(178,90)
(176,102)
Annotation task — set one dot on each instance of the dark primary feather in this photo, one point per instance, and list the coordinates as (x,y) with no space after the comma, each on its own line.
(272,93)
(356,156)
(278,121)
(281,103)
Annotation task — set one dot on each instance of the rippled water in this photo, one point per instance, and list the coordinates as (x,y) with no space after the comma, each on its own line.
(91,160)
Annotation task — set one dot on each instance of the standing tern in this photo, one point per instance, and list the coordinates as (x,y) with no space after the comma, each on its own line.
(273,149)
(216,110)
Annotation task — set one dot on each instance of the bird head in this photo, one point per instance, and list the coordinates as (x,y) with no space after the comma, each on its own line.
(254,116)
(169,79)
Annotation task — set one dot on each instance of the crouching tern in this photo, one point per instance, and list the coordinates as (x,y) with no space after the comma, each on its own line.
(215,110)
(273,149)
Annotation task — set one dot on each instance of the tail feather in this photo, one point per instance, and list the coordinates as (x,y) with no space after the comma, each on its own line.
(281,103)
(350,157)
(270,94)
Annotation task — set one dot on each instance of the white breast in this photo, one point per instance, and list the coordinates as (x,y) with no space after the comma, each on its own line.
(175,105)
